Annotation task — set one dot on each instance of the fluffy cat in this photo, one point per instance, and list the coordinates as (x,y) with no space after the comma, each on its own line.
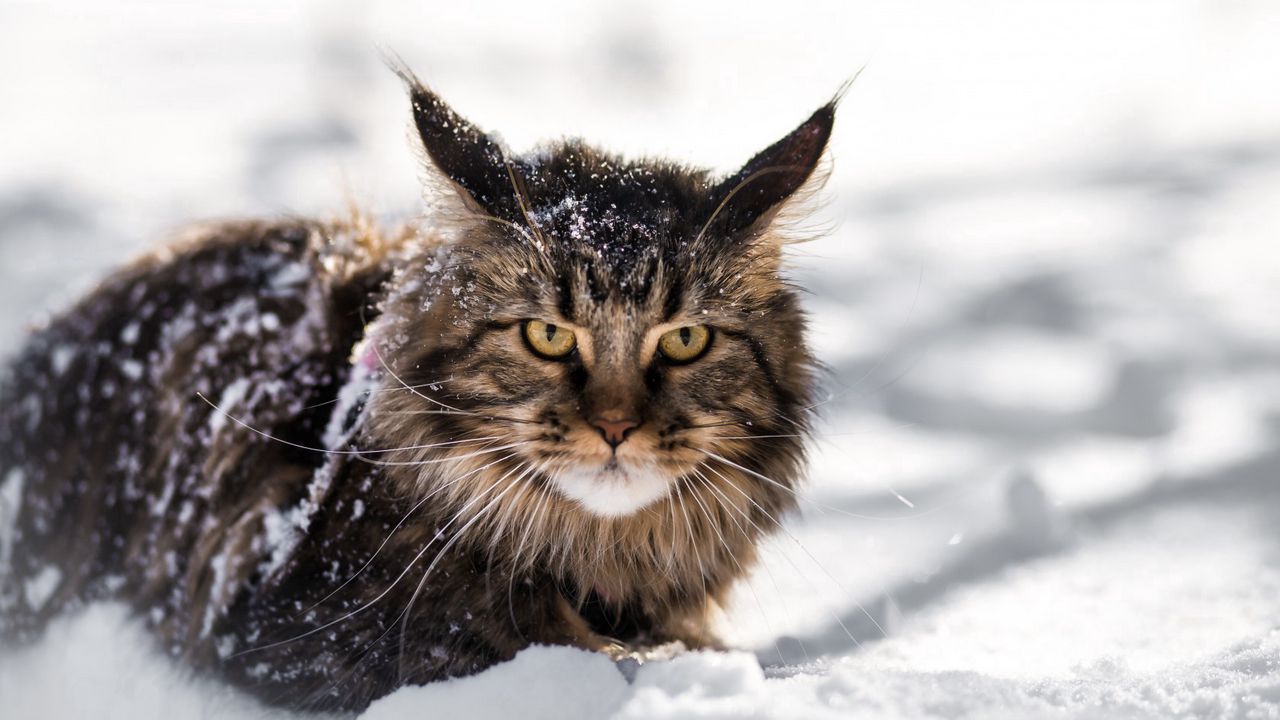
(324,460)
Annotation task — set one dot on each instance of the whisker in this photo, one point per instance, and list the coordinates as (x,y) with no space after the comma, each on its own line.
(773,581)
(801,436)
(373,348)
(671,557)
(400,524)
(403,619)
(693,543)
(711,520)
(808,434)
(804,549)
(724,423)
(820,506)
(761,437)
(425,412)
(327,451)
(451,458)
(380,595)
(439,534)
(534,520)
(482,416)
(705,482)
(374,391)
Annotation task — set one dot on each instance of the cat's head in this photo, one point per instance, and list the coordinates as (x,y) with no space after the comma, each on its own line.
(607,335)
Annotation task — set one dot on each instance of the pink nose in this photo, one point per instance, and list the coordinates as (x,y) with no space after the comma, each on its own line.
(613,426)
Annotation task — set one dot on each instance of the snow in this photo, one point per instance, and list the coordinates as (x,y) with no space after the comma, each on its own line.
(532,686)
(218,595)
(229,404)
(364,378)
(116,673)
(61,358)
(281,534)
(41,587)
(10,505)
(1046,484)
(1017,369)
(129,335)
(132,369)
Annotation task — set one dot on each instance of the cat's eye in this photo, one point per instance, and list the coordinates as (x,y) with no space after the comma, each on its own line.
(547,340)
(685,344)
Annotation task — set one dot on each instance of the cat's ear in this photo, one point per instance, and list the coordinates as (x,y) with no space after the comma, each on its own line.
(755,192)
(472,161)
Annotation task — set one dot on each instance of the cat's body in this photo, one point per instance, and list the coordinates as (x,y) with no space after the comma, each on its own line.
(325,461)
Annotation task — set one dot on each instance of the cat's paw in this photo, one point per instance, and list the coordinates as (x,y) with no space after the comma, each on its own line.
(629,659)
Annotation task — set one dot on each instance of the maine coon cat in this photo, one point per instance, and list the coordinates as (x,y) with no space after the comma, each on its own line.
(324,460)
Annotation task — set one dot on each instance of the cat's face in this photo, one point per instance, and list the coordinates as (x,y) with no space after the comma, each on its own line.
(616,328)
(616,345)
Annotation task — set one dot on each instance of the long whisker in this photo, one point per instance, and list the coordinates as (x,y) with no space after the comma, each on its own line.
(425,412)
(533,520)
(482,416)
(400,524)
(373,348)
(764,566)
(800,436)
(693,543)
(403,619)
(327,451)
(807,433)
(804,549)
(728,506)
(451,458)
(671,556)
(374,391)
(820,506)
(439,534)
(778,524)
(724,423)
(711,520)
(380,595)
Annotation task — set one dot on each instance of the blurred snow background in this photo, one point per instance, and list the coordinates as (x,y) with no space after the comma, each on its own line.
(1049,479)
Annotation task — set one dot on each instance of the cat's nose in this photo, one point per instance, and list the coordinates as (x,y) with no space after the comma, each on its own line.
(614,426)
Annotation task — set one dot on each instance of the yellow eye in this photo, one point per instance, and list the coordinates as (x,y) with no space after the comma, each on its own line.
(685,344)
(547,340)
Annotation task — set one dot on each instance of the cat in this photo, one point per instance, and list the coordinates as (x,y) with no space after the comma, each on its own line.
(323,460)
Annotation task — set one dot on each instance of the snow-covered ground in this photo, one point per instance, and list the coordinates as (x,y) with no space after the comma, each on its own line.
(1048,483)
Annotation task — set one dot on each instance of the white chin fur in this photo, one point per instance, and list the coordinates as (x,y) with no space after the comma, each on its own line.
(612,492)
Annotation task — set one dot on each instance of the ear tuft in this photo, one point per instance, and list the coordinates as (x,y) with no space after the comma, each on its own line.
(473,161)
(775,174)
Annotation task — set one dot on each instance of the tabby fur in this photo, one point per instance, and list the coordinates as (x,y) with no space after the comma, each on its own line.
(319,459)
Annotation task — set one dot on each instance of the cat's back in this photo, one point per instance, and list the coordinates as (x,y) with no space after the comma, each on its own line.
(116,469)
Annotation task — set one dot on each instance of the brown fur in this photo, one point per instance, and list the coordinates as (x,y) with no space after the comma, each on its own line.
(189,437)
